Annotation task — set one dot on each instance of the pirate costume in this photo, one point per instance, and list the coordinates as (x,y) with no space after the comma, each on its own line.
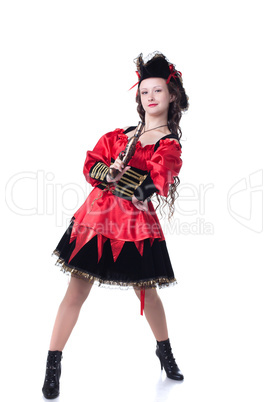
(109,241)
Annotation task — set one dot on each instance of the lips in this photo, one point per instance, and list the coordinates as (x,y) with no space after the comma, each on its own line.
(152,104)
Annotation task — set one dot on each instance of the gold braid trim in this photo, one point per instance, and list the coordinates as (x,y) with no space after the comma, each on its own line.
(149,284)
(99,171)
(124,188)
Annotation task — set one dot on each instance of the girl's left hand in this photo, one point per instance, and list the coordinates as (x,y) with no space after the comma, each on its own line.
(141,205)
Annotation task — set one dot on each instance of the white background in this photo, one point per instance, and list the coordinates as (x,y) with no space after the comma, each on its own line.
(66,67)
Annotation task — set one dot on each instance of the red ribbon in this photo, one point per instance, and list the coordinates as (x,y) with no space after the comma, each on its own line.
(136,82)
(142,299)
(173,73)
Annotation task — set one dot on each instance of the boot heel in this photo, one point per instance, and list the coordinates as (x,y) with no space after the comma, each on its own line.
(164,353)
(161,363)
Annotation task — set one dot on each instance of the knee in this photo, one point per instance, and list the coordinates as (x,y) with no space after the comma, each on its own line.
(76,295)
(76,299)
(151,296)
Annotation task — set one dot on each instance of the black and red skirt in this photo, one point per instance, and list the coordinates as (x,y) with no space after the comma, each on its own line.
(150,268)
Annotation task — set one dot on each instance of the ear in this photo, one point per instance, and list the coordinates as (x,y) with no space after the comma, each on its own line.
(171,98)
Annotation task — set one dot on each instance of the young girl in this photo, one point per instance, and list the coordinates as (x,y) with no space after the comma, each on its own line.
(115,237)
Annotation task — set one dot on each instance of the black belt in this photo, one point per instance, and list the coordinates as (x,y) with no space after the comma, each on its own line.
(125,187)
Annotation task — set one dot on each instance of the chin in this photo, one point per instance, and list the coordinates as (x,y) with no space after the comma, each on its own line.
(155,113)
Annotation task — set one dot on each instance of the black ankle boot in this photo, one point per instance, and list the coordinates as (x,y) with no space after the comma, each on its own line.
(51,387)
(164,352)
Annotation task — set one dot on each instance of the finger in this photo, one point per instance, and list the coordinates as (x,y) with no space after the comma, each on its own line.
(144,207)
(141,207)
(118,167)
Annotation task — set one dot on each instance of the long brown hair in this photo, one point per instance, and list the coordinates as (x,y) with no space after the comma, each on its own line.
(176,108)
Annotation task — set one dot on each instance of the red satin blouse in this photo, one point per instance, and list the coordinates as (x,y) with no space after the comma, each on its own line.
(116,218)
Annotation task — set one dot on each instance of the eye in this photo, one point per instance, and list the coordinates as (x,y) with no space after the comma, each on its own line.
(158,90)
(144,92)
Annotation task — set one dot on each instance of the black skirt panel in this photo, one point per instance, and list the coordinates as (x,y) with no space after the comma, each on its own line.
(131,269)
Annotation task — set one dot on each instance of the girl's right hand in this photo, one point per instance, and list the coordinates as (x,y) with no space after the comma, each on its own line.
(118,164)
(141,205)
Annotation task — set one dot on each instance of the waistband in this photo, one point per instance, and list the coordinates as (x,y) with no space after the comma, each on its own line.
(125,187)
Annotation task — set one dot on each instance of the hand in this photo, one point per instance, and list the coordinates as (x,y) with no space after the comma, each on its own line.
(141,205)
(118,164)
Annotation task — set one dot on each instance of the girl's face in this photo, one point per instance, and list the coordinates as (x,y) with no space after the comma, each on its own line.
(155,96)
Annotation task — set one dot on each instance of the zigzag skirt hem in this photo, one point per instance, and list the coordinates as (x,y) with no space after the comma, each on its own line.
(152,269)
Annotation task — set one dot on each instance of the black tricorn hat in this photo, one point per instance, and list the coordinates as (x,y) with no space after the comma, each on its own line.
(156,66)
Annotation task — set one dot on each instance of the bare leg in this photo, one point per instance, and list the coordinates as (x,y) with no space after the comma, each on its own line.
(69,309)
(155,314)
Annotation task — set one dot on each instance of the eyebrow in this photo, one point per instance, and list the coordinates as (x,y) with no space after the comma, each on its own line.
(156,86)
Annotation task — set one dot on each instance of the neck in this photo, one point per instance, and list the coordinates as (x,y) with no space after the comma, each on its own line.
(152,122)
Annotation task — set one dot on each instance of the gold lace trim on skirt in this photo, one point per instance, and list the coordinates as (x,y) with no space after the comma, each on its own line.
(147,284)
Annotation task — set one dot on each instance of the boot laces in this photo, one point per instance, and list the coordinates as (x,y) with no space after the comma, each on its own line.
(168,355)
(52,366)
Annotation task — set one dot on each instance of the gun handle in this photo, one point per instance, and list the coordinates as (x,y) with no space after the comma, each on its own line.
(114,172)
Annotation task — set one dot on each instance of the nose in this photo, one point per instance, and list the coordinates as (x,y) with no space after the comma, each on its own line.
(151,96)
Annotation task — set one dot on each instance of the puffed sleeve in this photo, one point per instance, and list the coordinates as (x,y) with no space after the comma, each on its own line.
(98,160)
(164,165)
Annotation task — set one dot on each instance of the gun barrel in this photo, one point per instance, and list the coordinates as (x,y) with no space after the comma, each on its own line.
(129,151)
